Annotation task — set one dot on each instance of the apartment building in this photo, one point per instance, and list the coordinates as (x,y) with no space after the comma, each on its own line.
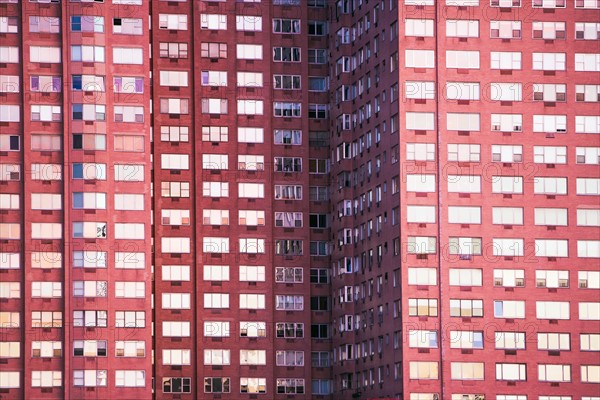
(499,199)
(300,199)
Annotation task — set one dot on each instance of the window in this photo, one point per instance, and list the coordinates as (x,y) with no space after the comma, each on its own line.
(465,277)
(43,24)
(213,21)
(176,329)
(554,373)
(216,245)
(589,279)
(87,23)
(552,309)
(509,309)
(249,51)
(317,56)
(462,91)
(87,53)
(89,348)
(590,373)
(10,290)
(422,339)
(253,385)
(466,371)
(215,329)
(86,259)
(253,329)
(423,370)
(554,341)
(251,190)
(423,307)
(131,290)
(462,59)
(288,192)
(251,217)
(46,113)
(175,189)
(213,189)
(510,340)
(548,3)
(46,289)
(253,357)
(286,26)
(133,378)
(11,319)
(587,62)
(248,23)
(92,112)
(44,54)
(128,26)
(587,30)
(90,378)
(587,4)
(587,124)
(250,107)
(505,29)
(214,161)
(290,330)
(9,54)
(551,248)
(511,372)
(177,385)
(466,308)
(180,50)
(252,245)
(46,379)
(590,341)
(419,27)
(549,61)
(289,358)
(130,319)
(286,109)
(290,385)
(89,141)
(217,357)
(289,302)
(286,54)
(505,91)
(549,30)
(252,301)
(217,385)
(90,318)
(466,339)
(172,22)
(43,83)
(43,349)
(589,311)
(419,58)
(90,288)
(505,60)
(551,216)
(460,28)
(252,273)
(128,55)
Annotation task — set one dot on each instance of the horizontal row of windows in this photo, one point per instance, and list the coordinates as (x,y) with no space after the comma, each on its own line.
(472,91)
(547,30)
(503,215)
(511,309)
(503,247)
(502,340)
(137,319)
(504,371)
(135,55)
(136,143)
(504,278)
(502,184)
(472,153)
(592,4)
(137,378)
(135,114)
(586,62)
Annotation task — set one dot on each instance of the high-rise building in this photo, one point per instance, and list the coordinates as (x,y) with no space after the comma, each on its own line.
(300,199)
